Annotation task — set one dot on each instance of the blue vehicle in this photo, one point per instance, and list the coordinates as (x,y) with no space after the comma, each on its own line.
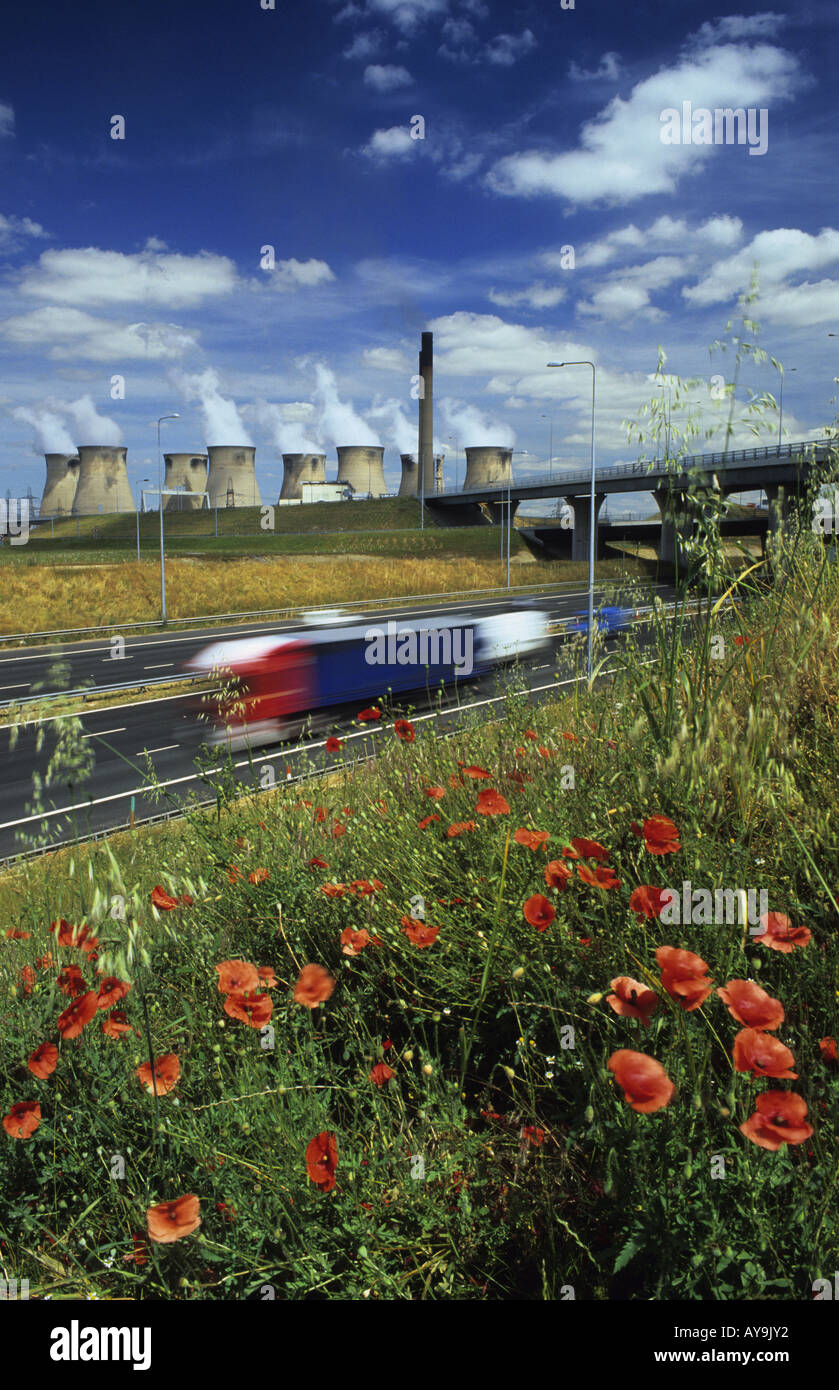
(608,620)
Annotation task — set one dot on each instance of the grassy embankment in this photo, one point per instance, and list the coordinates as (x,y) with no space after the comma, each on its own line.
(496,1155)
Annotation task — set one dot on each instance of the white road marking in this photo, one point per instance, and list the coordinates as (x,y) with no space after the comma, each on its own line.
(24,686)
(159,666)
(164,749)
(98,733)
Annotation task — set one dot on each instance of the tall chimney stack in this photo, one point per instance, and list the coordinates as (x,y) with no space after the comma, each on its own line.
(426,414)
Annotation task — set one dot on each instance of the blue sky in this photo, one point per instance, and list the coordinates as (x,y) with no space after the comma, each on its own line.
(291,128)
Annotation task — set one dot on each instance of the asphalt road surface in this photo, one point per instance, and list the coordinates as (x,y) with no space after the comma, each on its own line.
(126,740)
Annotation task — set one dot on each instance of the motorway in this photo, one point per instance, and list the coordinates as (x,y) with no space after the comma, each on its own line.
(127,739)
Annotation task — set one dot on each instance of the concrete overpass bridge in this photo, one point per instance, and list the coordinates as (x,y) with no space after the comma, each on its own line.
(781,471)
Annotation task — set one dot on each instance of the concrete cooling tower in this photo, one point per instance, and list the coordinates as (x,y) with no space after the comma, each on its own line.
(187,472)
(60,487)
(298,469)
(362,467)
(231,481)
(409,485)
(103,481)
(486,465)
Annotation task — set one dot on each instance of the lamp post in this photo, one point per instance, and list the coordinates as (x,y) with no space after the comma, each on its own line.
(142,480)
(175,416)
(550,447)
(586,363)
(781,401)
(669,390)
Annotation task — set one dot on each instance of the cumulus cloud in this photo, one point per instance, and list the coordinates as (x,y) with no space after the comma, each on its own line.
(14,230)
(294,274)
(385,359)
(536,296)
(779,253)
(620,156)
(608,68)
(506,49)
(387,77)
(71,334)
(716,231)
(407,15)
(365,45)
(734,28)
(627,292)
(89,277)
(392,143)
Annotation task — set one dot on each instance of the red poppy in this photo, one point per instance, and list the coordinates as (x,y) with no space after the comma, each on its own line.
(77,1015)
(404,729)
(322,1160)
(778,1119)
(557,874)
(321,814)
(163,900)
(572,738)
(171,1221)
(237,977)
(739,641)
(600,877)
(533,1135)
(333,890)
(426,821)
(381,1074)
(165,1077)
(44,962)
(684,976)
(23,1119)
(78,937)
(333,744)
(234,874)
(27,975)
(314,985)
(660,835)
(258,875)
(492,803)
(353,942)
(16,935)
(476,773)
(418,933)
(534,737)
(632,999)
(538,912)
(43,1061)
(436,793)
(253,1009)
(70,981)
(762,1055)
(827,1047)
(111,991)
(531,839)
(646,901)
(546,752)
(459,828)
(140,1252)
(267,978)
(780,935)
(338,830)
(643,1080)
(318,863)
(586,849)
(363,887)
(229,1213)
(115,1024)
(751,1005)
(368,715)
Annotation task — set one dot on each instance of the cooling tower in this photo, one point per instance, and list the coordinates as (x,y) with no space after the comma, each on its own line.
(409,486)
(189,473)
(487,465)
(103,481)
(361,467)
(299,469)
(60,487)
(231,481)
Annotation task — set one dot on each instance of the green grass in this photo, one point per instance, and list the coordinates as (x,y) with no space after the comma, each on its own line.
(501,1161)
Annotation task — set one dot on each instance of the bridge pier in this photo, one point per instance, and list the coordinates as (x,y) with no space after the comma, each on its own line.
(674,522)
(581,534)
(498,511)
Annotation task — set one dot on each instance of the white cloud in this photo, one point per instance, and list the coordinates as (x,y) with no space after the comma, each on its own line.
(407,14)
(620,157)
(14,229)
(801,304)
(506,49)
(385,359)
(71,334)
(722,230)
(387,77)
(7,120)
(87,276)
(536,296)
(294,274)
(608,68)
(734,28)
(365,45)
(779,253)
(393,143)
(617,300)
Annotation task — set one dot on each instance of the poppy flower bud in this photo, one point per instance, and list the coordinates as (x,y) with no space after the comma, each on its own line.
(725,1112)
(688,1169)
(696,1102)
(408,1056)
(594,998)
(731,1100)
(427,1069)
(509,1073)
(589,1114)
(518,972)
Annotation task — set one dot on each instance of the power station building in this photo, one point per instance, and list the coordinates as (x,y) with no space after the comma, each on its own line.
(299,469)
(361,467)
(231,480)
(487,464)
(60,486)
(103,481)
(188,474)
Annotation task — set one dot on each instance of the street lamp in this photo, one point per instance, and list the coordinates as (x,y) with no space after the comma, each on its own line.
(551,447)
(142,480)
(669,390)
(781,399)
(586,363)
(176,416)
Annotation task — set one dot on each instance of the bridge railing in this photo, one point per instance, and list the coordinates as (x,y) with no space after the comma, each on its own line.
(645,470)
